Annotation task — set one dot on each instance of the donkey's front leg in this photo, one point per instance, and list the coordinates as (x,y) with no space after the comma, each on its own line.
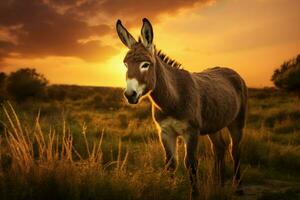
(191,163)
(169,142)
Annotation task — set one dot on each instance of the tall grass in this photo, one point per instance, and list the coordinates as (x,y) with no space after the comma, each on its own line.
(66,151)
(31,156)
(36,165)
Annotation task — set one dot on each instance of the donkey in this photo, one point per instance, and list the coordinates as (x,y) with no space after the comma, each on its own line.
(186,104)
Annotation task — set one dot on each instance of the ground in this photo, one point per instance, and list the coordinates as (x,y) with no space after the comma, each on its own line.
(87,143)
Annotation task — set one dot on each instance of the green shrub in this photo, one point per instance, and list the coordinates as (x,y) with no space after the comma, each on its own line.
(287,77)
(25,83)
(3,77)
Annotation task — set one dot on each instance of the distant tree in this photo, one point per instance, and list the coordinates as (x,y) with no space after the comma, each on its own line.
(287,77)
(26,83)
(3,77)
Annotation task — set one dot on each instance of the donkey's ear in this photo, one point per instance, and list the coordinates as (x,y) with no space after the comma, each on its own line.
(124,35)
(147,34)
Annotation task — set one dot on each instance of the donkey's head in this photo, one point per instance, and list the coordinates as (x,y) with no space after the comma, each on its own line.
(139,60)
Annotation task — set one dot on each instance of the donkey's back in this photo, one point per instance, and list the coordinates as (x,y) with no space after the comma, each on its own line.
(222,97)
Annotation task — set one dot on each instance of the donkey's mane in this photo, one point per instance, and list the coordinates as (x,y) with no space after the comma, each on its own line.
(166,59)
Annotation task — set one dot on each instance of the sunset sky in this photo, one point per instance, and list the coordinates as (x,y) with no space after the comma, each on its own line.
(75,42)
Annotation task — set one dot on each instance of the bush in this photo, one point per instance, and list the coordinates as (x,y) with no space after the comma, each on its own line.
(287,77)
(26,83)
(3,77)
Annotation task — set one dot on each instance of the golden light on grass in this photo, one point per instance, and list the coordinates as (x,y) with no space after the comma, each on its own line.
(83,152)
(34,148)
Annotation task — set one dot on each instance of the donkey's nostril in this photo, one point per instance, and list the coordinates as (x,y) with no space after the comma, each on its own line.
(130,95)
(134,94)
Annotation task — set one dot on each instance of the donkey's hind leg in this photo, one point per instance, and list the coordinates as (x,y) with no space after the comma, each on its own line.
(219,147)
(191,162)
(236,133)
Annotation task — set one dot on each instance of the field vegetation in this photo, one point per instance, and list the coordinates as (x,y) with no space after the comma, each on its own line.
(87,143)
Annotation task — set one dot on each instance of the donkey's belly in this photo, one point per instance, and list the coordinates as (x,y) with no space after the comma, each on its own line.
(210,129)
(170,124)
(220,116)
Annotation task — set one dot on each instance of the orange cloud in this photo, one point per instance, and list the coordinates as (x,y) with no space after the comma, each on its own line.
(42,31)
(56,27)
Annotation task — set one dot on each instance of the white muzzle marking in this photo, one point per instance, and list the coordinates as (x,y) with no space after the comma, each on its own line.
(134,86)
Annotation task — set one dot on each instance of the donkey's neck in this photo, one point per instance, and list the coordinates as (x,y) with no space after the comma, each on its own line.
(165,94)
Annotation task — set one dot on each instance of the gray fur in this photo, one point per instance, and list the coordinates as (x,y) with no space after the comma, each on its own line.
(209,100)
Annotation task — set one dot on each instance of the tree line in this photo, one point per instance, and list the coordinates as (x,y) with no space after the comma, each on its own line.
(22,84)
(28,83)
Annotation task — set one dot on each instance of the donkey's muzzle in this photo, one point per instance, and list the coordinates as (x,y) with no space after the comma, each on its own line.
(131,97)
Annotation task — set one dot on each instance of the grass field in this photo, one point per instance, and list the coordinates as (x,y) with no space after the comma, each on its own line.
(87,143)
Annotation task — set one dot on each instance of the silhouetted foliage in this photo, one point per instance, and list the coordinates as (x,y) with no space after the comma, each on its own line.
(3,77)
(26,83)
(288,75)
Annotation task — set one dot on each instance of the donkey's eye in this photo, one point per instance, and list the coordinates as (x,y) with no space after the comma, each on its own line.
(144,65)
